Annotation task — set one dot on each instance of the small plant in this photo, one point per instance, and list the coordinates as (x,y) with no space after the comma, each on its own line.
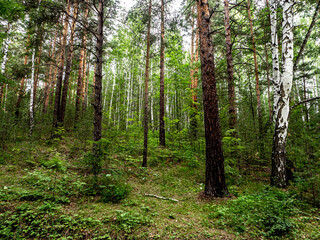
(266,213)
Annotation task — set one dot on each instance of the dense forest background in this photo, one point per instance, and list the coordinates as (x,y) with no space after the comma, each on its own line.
(159,121)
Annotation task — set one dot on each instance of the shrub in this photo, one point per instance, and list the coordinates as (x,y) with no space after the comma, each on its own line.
(266,213)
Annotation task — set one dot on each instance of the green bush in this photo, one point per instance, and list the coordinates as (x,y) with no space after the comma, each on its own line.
(262,214)
(110,187)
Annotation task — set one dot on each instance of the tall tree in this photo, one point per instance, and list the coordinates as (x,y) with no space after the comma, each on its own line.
(146,91)
(5,58)
(256,77)
(61,67)
(97,123)
(278,172)
(275,55)
(231,89)
(215,184)
(21,91)
(80,82)
(51,67)
(162,138)
(62,107)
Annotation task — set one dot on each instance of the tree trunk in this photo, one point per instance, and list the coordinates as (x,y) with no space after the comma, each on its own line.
(50,86)
(36,77)
(162,137)
(257,80)
(314,18)
(5,58)
(97,124)
(145,146)
(21,91)
(62,108)
(61,68)
(81,62)
(194,79)
(278,172)
(31,116)
(275,56)
(231,89)
(215,184)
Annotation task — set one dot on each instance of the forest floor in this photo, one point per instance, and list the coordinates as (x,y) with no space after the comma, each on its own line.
(48,192)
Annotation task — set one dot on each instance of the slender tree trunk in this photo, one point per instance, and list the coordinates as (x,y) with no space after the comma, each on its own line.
(62,108)
(5,58)
(85,82)
(162,136)
(275,56)
(97,124)
(313,22)
(231,89)
(21,90)
(50,85)
(85,99)
(81,63)
(194,75)
(215,184)
(61,68)
(36,77)
(278,172)
(257,80)
(145,147)
(31,116)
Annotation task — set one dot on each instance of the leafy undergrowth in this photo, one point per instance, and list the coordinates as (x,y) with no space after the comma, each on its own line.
(47,192)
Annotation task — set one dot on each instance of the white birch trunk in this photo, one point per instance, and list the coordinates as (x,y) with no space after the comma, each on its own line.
(113,84)
(5,49)
(4,62)
(275,56)
(32,94)
(278,177)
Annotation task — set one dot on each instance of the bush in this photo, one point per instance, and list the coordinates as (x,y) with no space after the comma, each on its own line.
(266,213)
(109,187)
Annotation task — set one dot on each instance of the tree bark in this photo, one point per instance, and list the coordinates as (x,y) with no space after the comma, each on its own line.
(314,18)
(97,124)
(278,172)
(162,138)
(231,89)
(49,82)
(62,108)
(21,90)
(145,146)
(36,77)
(257,80)
(275,56)
(81,62)
(215,184)
(5,58)
(61,68)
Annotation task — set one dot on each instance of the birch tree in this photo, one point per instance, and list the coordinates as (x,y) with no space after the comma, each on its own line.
(278,172)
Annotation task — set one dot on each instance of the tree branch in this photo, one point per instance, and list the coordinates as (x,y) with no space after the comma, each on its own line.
(304,101)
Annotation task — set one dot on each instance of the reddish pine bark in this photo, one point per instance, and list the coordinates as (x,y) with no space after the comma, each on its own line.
(62,108)
(61,68)
(215,184)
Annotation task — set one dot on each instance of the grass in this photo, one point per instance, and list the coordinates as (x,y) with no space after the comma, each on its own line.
(46,193)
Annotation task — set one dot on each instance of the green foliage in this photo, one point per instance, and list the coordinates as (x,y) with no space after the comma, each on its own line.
(110,187)
(267,213)
(113,190)
(46,221)
(127,221)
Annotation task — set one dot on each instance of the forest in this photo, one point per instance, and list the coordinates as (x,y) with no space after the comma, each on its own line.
(159,119)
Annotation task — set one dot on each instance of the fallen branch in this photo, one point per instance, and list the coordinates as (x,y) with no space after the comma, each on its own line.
(304,101)
(155,196)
